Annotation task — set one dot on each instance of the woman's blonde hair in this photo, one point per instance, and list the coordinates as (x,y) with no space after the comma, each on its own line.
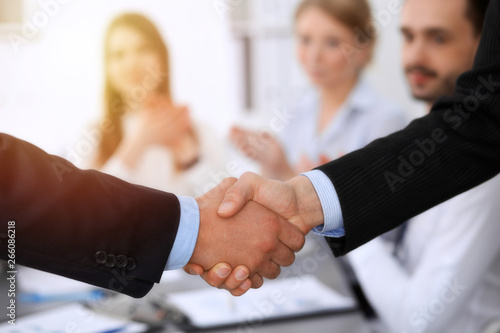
(114,102)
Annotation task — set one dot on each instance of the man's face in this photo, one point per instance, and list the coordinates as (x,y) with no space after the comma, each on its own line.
(439,45)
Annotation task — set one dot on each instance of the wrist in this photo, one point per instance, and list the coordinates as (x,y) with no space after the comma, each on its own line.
(309,205)
(200,250)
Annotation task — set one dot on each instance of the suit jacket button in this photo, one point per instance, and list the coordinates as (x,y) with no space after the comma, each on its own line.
(111,262)
(101,257)
(131,264)
(121,261)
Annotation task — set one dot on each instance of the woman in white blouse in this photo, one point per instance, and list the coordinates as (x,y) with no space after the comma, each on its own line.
(147,139)
(343,112)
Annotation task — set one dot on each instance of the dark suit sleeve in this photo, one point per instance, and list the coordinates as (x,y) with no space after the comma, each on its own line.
(454,148)
(84,225)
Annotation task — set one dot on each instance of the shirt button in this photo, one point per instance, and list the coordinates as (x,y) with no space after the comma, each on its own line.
(111,262)
(131,264)
(121,261)
(101,257)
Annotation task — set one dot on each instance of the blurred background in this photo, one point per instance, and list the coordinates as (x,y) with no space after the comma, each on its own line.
(232,61)
(234,77)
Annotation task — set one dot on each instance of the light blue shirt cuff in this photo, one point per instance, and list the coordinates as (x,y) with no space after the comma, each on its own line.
(187,234)
(333,220)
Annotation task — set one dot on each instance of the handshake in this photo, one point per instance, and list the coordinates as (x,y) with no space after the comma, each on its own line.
(250,227)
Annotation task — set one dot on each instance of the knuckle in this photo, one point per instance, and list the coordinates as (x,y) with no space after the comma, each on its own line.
(229,180)
(248,176)
(276,224)
(268,246)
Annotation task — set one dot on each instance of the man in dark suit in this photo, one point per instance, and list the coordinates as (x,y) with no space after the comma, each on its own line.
(98,229)
(364,194)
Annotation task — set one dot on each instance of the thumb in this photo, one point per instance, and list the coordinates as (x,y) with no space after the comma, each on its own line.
(239,194)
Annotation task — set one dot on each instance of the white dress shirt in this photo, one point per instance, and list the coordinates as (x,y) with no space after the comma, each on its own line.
(449,277)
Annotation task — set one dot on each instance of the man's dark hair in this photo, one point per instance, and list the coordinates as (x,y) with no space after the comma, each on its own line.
(476,10)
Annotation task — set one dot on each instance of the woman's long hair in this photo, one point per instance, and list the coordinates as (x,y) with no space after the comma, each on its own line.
(114,102)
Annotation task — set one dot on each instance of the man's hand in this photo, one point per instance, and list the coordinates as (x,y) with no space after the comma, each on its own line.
(255,237)
(295,200)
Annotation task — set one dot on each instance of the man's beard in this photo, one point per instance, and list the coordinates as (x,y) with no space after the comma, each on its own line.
(444,87)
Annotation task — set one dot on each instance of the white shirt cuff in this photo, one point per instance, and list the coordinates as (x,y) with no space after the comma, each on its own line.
(187,234)
(333,221)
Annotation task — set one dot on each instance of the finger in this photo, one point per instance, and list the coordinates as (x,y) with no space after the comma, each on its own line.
(323,159)
(292,236)
(217,275)
(193,269)
(243,288)
(241,138)
(271,270)
(236,128)
(240,131)
(250,151)
(283,256)
(239,194)
(237,277)
(257,281)
(237,138)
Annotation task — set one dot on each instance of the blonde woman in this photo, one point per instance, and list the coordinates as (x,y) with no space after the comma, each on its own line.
(152,141)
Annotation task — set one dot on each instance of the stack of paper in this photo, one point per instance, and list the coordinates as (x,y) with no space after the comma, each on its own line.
(276,299)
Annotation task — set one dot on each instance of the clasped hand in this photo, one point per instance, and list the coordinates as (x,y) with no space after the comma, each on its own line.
(250,227)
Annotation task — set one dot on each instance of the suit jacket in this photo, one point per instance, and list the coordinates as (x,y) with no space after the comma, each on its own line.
(454,148)
(84,225)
